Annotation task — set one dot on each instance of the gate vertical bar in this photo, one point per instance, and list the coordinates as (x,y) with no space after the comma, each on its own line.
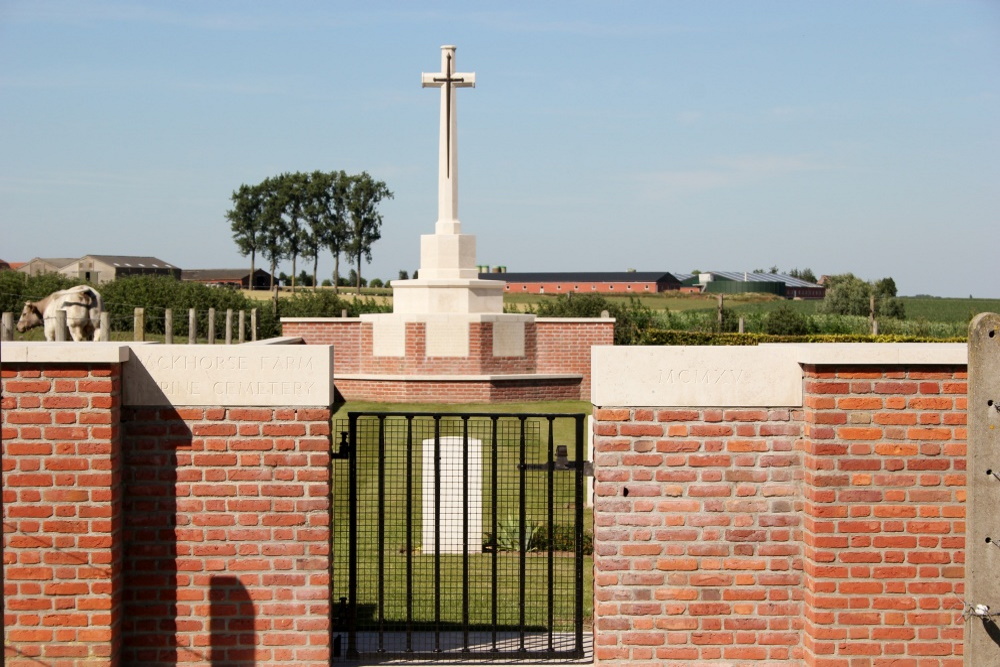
(521,530)
(409,533)
(494,480)
(465,534)
(551,502)
(352,538)
(579,501)
(381,534)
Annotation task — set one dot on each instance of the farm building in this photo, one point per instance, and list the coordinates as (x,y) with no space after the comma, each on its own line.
(100,269)
(614,282)
(236,278)
(737,282)
(40,265)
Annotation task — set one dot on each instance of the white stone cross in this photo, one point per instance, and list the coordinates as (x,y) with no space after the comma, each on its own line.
(447,79)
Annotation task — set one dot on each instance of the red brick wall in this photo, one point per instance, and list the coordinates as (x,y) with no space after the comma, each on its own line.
(552,346)
(884,491)
(484,391)
(480,360)
(343,334)
(564,346)
(160,536)
(828,536)
(62,468)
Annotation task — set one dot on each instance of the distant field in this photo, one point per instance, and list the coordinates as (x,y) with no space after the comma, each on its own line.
(932,309)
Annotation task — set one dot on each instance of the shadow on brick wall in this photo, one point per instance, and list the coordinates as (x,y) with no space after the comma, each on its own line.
(151,444)
(232,623)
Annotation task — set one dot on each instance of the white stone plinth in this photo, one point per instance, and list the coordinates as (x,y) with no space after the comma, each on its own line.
(456,483)
(447,335)
(456,296)
(448,257)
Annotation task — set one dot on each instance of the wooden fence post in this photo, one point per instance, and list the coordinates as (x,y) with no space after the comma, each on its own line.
(168,326)
(139,325)
(192,326)
(229,326)
(211,326)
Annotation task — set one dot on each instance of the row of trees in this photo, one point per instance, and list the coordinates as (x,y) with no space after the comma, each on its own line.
(299,214)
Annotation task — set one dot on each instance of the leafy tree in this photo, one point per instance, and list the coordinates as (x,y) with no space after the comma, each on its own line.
(365,221)
(785,321)
(290,199)
(376,282)
(246,219)
(326,217)
(305,279)
(804,274)
(403,275)
(631,319)
(846,294)
(354,279)
(273,232)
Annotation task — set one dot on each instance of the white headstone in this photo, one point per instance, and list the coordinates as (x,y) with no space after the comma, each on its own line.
(449,519)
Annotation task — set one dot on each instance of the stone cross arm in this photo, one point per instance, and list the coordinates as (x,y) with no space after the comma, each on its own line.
(457,79)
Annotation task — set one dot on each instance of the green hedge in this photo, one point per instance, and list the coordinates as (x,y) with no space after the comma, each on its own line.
(674,337)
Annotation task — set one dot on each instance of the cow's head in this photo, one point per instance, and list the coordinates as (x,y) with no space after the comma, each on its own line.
(31,317)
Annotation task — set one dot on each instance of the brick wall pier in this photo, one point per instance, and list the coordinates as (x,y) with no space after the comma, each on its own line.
(793,505)
(141,532)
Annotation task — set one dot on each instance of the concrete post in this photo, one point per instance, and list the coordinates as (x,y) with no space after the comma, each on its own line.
(211,326)
(192,326)
(62,333)
(139,325)
(982,539)
(7,329)
(229,326)
(253,324)
(168,326)
(242,327)
(105,326)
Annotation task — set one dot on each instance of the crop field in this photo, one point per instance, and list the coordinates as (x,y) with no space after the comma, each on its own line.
(931,309)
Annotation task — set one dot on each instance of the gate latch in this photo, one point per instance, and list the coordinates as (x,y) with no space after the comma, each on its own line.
(345,448)
(561,463)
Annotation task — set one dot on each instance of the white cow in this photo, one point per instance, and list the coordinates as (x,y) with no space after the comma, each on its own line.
(83,308)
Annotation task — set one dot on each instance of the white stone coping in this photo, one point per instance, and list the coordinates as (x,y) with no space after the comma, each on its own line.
(470,318)
(306,320)
(459,378)
(44,352)
(575,320)
(278,340)
(767,375)
(271,373)
(866,354)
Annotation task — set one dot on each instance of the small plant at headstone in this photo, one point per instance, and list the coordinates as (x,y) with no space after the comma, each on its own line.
(509,535)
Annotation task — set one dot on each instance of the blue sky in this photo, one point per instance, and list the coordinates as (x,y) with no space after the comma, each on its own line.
(653,134)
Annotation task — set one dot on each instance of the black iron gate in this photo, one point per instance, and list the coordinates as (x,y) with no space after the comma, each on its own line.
(460,536)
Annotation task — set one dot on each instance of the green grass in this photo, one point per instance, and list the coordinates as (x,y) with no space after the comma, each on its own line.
(394,539)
